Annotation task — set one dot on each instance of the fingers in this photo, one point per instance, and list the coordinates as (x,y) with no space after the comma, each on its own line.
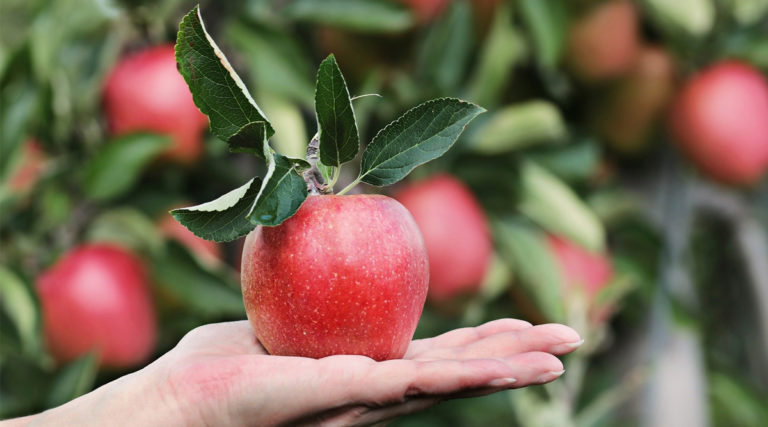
(550,338)
(464,336)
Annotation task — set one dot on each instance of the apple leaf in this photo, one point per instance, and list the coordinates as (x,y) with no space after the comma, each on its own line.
(20,308)
(533,264)
(519,126)
(282,192)
(211,294)
(223,219)
(548,201)
(422,134)
(118,164)
(216,89)
(339,140)
(74,380)
(359,15)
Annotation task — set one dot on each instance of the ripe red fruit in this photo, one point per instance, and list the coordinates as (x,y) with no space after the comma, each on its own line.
(625,116)
(97,297)
(207,251)
(344,275)
(455,232)
(603,43)
(582,271)
(29,168)
(145,92)
(720,120)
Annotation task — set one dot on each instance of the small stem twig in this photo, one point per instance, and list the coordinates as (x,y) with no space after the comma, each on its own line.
(312,176)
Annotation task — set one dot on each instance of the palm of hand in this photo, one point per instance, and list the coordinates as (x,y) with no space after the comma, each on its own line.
(220,374)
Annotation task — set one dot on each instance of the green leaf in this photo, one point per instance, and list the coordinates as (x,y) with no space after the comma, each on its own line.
(276,63)
(217,90)
(116,167)
(519,126)
(547,22)
(20,307)
(127,227)
(249,139)
(282,192)
(503,48)
(359,15)
(694,18)
(444,54)
(533,264)
(422,134)
(339,141)
(74,380)
(553,205)
(223,219)
(572,162)
(180,277)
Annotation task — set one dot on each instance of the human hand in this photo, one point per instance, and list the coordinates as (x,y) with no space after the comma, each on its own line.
(219,374)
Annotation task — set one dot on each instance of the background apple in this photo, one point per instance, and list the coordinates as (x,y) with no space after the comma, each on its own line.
(426,10)
(344,275)
(625,115)
(455,231)
(720,120)
(603,42)
(582,271)
(97,297)
(145,92)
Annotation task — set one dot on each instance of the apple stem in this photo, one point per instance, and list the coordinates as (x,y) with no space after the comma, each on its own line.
(350,186)
(312,176)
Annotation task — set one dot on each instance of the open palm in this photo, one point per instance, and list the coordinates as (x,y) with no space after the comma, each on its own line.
(219,374)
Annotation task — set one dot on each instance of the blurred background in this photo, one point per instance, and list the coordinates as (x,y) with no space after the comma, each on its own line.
(617,184)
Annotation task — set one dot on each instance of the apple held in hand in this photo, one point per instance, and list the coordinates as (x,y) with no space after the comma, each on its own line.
(344,275)
(145,92)
(456,234)
(603,43)
(583,271)
(321,274)
(97,298)
(720,120)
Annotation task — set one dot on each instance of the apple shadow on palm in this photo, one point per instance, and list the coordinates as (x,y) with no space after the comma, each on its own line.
(221,374)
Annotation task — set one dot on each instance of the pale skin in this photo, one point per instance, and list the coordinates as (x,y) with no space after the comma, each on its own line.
(219,374)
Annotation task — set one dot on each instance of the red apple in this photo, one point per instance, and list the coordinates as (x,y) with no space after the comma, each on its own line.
(97,297)
(627,113)
(29,168)
(455,232)
(207,251)
(582,271)
(344,275)
(145,92)
(603,43)
(720,120)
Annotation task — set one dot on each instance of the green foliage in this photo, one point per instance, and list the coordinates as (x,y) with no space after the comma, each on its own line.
(223,219)
(282,192)
(119,163)
(422,134)
(336,124)
(360,15)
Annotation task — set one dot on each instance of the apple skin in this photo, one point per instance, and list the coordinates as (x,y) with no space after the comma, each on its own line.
(456,234)
(720,120)
(603,43)
(97,297)
(583,271)
(145,92)
(207,251)
(627,113)
(344,275)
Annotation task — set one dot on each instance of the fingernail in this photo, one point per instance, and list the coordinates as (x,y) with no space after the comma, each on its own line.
(502,382)
(567,347)
(549,376)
